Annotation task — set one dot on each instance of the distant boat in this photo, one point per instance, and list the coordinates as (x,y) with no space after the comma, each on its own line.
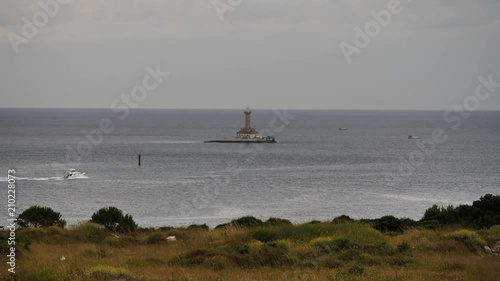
(342,129)
(414,136)
(74,174)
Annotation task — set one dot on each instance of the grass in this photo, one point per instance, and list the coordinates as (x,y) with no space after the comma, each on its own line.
(345,250)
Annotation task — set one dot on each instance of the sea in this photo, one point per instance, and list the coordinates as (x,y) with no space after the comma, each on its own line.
(314,172)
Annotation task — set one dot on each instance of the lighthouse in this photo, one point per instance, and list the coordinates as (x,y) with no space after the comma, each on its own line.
(248,118)
(247,134)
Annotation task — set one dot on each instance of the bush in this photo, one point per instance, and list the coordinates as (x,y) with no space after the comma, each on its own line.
(203,227)
(104,272)
(37,216)
(389,224)
(247,221)
(277,221)
(491,235)
(342,219)
(469,238)
(483,213)
(403,247)
(113,219)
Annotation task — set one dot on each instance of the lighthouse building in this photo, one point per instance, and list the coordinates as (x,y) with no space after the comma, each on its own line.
(248,132)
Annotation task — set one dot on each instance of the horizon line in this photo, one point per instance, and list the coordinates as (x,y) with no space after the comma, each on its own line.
(253,108)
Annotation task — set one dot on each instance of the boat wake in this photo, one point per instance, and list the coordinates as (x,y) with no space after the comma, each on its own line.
(79,177)
(4,179)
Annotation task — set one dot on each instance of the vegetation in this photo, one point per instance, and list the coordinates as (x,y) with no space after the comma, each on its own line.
(387,248)
(113,219)
(37,216)
(483,213)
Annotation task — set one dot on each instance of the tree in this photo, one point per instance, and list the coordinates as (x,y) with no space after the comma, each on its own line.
(37,216)
(113,219)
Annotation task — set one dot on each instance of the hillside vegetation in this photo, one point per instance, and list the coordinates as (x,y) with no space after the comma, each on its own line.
(388,248)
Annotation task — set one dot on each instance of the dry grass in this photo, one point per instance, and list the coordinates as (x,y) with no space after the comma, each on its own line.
(298,253)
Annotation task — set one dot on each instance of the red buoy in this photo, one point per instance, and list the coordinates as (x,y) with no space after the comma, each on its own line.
(139,159)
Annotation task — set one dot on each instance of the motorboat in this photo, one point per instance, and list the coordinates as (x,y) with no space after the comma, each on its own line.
(74,174)
(413,137)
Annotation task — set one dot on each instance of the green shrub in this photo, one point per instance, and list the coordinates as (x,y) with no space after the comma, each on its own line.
(104,272)
(247,221)
(113,219)
(38,216)
(199,227)
(491,235)
(483,213)
(389,224)
(277,221)
(342,219)
(403,247)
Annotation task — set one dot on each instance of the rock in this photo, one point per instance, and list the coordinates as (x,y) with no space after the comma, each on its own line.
(496,249)
(172,238)
(488,250)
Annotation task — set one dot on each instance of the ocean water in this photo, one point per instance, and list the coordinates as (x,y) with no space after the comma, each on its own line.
(314,172)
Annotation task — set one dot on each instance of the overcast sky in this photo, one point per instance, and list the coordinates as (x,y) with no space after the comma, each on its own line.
(264,54)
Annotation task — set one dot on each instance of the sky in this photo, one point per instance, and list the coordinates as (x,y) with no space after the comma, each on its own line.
(258,53)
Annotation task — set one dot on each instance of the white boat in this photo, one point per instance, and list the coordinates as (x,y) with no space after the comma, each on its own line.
(414,136)
(342,129)
(74,174)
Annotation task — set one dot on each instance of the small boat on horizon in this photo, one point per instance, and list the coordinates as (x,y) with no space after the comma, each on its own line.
(414,136)
(342,129)
(74,174)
